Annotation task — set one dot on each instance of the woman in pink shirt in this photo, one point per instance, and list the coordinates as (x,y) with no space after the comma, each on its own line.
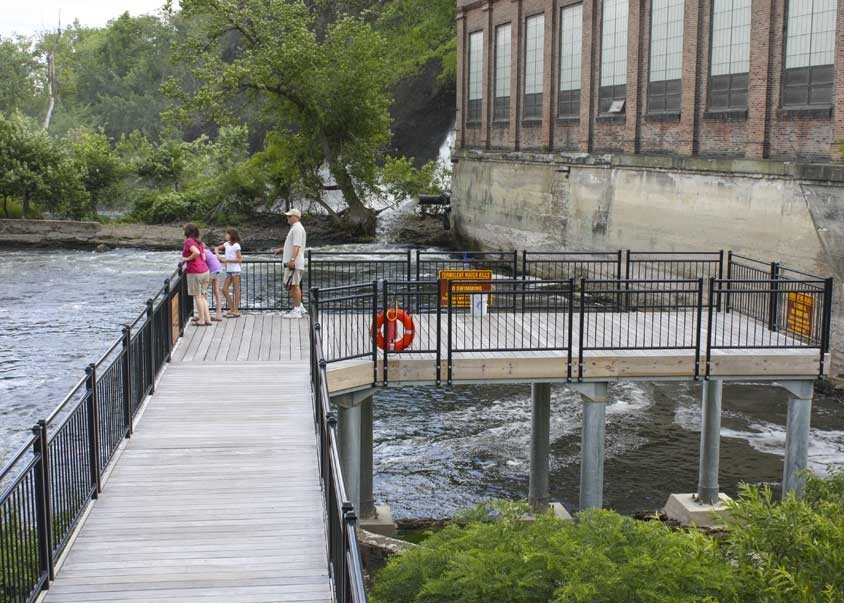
(196,269)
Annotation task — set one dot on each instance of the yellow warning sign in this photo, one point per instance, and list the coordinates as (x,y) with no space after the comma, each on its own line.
(800,313)
(460,292)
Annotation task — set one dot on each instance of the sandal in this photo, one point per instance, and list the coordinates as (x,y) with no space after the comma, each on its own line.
(229,315)
(216,319)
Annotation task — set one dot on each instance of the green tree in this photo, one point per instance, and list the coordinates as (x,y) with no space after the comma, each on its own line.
(20,76)
(419,31)
(96,162)
(326,82)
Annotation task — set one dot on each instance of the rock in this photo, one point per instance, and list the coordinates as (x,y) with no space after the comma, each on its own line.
(101,248)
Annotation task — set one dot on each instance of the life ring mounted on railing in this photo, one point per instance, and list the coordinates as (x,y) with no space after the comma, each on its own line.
(386,337)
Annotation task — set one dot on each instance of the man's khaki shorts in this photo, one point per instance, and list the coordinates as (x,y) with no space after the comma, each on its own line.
(292,278)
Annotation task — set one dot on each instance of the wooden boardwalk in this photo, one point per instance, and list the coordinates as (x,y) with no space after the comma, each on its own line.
(216,497)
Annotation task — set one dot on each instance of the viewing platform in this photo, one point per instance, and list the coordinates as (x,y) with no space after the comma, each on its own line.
(235,462)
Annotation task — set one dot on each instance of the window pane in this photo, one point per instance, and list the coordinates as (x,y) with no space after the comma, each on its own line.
(502,61)
(534,54)
(730,37)
(476,63)
(571,26)
(666,40)
(614,43)
(810,33)
(533,106)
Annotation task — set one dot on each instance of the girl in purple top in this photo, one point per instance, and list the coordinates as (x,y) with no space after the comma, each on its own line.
(215,267)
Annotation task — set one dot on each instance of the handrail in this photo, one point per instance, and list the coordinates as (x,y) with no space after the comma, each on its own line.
(45,499)
(345,566)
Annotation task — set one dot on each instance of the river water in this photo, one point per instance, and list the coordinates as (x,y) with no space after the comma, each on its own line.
(437,450)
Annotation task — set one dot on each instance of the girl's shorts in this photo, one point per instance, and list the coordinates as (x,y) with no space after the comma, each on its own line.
(217,274)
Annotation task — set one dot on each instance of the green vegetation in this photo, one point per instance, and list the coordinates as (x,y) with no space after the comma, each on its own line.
(774,553)
(219,110)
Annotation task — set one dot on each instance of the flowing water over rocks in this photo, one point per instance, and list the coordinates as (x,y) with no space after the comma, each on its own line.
(437,450)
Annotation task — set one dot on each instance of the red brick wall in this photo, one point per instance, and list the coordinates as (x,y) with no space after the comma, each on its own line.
(763,131)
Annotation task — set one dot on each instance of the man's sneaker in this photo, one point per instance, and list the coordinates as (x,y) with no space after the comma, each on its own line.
(294,313)
(303,310)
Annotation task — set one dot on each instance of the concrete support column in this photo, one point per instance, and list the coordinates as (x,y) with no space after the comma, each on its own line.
(349,424)
(540,443)
(354,422)
(710,442)
(367,500)
(797,435)
(592,444)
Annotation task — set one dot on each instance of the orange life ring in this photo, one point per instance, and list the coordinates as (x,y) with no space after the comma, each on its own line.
(407,323)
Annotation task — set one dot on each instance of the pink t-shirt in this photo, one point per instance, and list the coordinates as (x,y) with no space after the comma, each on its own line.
(196,265)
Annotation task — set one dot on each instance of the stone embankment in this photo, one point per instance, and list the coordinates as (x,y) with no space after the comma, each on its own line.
(65,233)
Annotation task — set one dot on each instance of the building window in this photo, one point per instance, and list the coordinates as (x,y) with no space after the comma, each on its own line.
(666,64)
(730,54)
(534,65)
(613,56)
(809,52)
(476,66)
(501,103)
(571,28)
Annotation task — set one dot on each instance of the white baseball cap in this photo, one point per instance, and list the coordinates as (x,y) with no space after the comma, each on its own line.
(293,212)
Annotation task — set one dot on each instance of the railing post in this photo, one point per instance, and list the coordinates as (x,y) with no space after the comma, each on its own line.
(699,326)
(709,329)
(183,302)
(127,380)
(450,330)
(349,521)
(774,299)
(374,332)
(384,284)
(826,324)
(168,313)
(720,274)
(93,427)
(582,329)
(44,515)
(409,267)
(308,260)
(515,264)
(151,346)
(439,355)
(524,264)
(571,330)
(729,281)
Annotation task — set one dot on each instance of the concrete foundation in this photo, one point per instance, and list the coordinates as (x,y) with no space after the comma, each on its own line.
(380,522)
(687,510)
(578,202)
(354,422)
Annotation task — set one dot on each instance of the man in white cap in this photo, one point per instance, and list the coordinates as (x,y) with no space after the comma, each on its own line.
(293,256)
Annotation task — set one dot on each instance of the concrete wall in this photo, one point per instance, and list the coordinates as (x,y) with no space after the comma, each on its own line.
(44,233)
(589,203)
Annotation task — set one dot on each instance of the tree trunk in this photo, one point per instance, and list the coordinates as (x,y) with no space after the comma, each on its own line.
(25,205)
(359,215)
(51,89)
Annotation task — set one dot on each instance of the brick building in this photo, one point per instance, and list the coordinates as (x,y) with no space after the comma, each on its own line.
(751,79)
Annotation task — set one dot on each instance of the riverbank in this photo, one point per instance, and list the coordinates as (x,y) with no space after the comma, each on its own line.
(259,235)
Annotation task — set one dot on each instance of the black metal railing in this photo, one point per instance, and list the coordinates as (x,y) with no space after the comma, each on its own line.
(344,562)
(48,483)
(429,263)
(507,315)
(328,269)
(564,265)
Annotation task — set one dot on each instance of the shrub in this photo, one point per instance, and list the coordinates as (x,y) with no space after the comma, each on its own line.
(795,549)
(603,557)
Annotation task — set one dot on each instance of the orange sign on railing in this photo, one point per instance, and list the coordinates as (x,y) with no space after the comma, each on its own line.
(460,293)
(800,313)
(174,321)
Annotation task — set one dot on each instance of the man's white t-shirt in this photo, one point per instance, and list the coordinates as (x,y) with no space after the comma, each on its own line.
(295,237)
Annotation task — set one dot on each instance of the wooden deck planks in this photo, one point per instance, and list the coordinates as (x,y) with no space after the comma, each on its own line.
(216,497)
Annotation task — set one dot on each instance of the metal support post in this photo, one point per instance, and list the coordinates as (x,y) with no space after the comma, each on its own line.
(592,444)
(710,442)
(127,380)
(349,422)
(797,435)
(540,443)
(367,500)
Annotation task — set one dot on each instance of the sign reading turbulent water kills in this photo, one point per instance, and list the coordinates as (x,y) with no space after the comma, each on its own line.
(800,313)
(460,292)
